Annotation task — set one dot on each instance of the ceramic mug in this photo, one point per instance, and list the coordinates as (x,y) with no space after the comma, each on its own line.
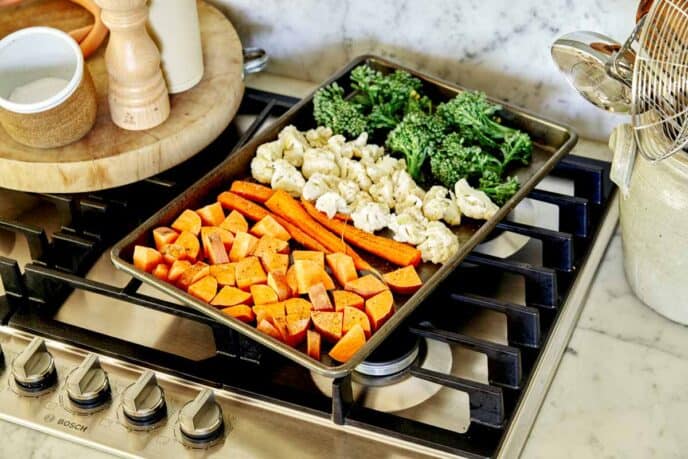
(47,97)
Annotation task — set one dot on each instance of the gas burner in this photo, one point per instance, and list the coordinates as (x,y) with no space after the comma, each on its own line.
(393,356)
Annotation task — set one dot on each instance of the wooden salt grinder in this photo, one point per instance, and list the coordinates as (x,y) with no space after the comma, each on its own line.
(136,89)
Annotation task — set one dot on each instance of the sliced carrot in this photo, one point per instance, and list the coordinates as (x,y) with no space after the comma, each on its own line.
(146,258)
(263,294)
(284,205)
(342,266)
(193,274)
(188,221)
(348,345)
(312,255)
(213,247)
(268,244)
(243,246)
(231,296)
(235,222)
(379,308)
(163,236)
(249,272)
(161,271)
(269,311)
(177,269)
(319,297)
(268,226)
(404,280)
(395,252)
(328,324)
(275,262)
(224,273)
(212,214)
(353,316)
(313,344)
(278,282)
(173,252)
(298,308)
(291,280)
(296,331)
(242,312)
(366,286)
(343,299)
(269,329)
(253,191)
(204,289)
(189,241)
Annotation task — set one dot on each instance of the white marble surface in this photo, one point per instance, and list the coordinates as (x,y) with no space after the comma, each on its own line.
(498,46)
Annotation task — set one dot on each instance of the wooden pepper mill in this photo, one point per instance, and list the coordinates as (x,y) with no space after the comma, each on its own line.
(136,89)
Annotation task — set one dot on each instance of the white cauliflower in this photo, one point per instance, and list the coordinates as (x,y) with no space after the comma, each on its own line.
(383,191)
(353,170)
(383,167)
(336,143)
(262,169)
(317,185)
(270,151)
(319,160)
(288,178)
(408,227)
(407,202)
(474,203)
(437,206)
(370,152)
(330,203)
(440,243)
(405,185)
(452,214)
(295,144)
(348,189)
(371,217)
(319,136)
(361,199)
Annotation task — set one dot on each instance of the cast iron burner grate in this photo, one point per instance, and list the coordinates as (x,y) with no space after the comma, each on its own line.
(60,263)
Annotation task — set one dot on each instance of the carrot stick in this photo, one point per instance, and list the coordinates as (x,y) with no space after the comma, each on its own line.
(252,191)
(255,212)
(395,252)
(282,204)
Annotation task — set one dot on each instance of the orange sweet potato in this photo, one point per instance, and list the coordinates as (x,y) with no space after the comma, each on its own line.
(263,294)
(366,286)
(298,308)
(296,330)
(275,262)
(177,269)
(249,272)
(231,296)
(196,272)
(404,280)
(328,324)
(311,255)
(212,214)
(269,329)
(353,316)
(268,226)
(235,222)
(343,299)
(188,221)
(291,280)
(224,273)
(213,246)
(278,282)
(379,308)
(163,236)
(146,258)
(327,280)
(319,298)
(307,273)
(251,191)
(243,246)
(204,289)
(226,237)
(269,311)
(268,244)
(189,241)
(342,266)
(348,345)
(161,271)
(313,344)
(242,312)
(173,252)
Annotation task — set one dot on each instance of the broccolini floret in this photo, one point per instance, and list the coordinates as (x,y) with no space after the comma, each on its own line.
(415,137)
(453,159)
(517,147)
(342,116)
(497,189)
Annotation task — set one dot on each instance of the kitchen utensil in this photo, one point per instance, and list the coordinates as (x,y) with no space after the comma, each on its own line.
(136,88)
(173,25)
(47,97)
(551,142)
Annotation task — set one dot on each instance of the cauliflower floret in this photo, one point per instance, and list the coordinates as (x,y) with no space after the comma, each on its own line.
(361,199)
(336,143)
(405,185)
(330,203)
(262,169)
(452,214)
(295,144)
(440,243)
(353,170)
(319,136)
(383,191)
(348,189)
(371,217)
(370,151)
(474,203)
(319,160)
(317,185)
(437,206)
(407,227)
(270,151)
(407,202)
(286,177)
(383,167)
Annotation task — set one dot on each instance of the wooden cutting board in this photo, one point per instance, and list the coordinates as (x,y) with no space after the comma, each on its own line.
(110,156)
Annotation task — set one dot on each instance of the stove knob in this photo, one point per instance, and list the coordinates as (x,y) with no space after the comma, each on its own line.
(87,385)
(143,403)
(200,421)
(34,369)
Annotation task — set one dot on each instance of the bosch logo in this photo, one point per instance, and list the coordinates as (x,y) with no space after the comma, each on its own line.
(49,417)
(72,425)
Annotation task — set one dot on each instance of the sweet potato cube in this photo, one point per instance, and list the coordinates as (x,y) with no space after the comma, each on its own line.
(342,266)
(313,344)
(298,308)
(278,282)
(404,280)
(244,244)
(163,236)
(319,297)
(225,236)
(204,289)
(269,329)
(343,299)
(263,294)
(235,222)
(146,258)
(173,252)
(307,273)
(190,243)
(269,244)
(231,296)
(196,272)
(348,345)
(224,273)
(327,280)
(328,324)
(291,280)
(212,214)
(296,330)
(242,312)
(312,255)
(177,269)
(188,221)
(268,226)
(249,272)
(269,311)
(161,271)
(275,262)
(379,308)
(213,246)
(366,286)
(353,316)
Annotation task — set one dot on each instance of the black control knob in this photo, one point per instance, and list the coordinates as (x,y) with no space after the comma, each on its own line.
(88,387)
(200,421)
(34,369)
(143,403)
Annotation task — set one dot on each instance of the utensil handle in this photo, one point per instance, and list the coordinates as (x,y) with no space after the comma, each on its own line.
(255,60)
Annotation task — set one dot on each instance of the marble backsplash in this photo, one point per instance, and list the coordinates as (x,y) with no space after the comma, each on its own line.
(501,47)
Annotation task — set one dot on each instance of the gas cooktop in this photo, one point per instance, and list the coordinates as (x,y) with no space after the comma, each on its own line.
(92,355)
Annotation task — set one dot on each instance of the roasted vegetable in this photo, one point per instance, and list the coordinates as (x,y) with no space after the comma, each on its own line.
(497,189)
(453,160)
(415,137)
(342,116)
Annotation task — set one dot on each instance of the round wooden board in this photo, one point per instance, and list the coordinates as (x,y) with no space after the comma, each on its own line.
(109,156)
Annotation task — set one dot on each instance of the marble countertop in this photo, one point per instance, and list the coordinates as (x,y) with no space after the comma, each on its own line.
(620,390)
